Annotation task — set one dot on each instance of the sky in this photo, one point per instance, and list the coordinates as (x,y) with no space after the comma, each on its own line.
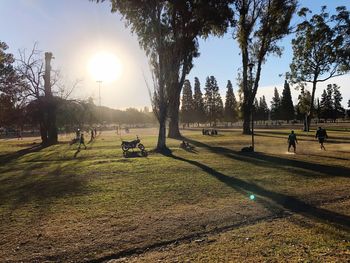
(75,30)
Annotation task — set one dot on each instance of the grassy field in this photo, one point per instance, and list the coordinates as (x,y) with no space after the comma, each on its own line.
(61,205)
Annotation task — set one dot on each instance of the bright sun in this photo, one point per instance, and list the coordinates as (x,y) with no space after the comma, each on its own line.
(105,67)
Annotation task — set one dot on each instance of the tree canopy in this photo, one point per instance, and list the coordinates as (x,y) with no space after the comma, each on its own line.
(320,49)
(260,25)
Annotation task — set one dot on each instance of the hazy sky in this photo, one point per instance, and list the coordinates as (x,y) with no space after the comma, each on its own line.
(75,30)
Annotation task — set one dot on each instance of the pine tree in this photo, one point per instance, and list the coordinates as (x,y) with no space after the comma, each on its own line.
(287,108)
(326,103)
(187,103)
(338,110)
(213,101)
(231,111)
(318,109)
(198,103)
(275,105)
(263,109)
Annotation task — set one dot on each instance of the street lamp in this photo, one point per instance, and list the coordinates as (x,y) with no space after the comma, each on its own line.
(99,91)
(250,66)
(99,97)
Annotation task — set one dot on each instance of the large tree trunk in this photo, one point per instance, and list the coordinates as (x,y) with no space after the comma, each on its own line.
(50,102)
(43,133)
(161,144)
(42,117)
(309,117)
(174,131)
(246,118)
(51,122)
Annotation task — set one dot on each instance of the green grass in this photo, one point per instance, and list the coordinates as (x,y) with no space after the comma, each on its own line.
(54,206)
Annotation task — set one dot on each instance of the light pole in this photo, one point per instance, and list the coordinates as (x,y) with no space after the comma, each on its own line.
(99,91)
(251,65)
(99,98)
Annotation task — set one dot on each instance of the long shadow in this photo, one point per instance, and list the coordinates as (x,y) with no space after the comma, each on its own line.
(311,135)
(326,156)
(335,140)
(12,156)
(32,188)
(288,202)
(274,161)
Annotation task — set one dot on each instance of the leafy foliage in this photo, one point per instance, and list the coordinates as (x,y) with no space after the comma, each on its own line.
(330,105)
(213,102)
(198,102)
(187,103)
(276,106)
(321,49)
(260,25)
(231,107)
(287,108)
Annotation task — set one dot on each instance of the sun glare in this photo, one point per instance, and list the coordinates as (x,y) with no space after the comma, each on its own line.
(105,67)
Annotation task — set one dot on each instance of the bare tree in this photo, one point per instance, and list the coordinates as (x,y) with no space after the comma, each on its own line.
(33,72)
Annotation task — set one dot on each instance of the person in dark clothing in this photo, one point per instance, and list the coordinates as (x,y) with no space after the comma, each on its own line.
(82,141)
(77,134)
(92,134)
(292,140)
(321,135)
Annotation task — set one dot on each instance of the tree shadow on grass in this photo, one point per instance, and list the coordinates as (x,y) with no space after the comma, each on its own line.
(262,159)
(287,202)
(305,136)
(6,158)
(40,189)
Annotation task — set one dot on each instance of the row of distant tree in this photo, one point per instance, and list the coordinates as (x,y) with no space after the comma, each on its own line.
(197,107)
(70,114)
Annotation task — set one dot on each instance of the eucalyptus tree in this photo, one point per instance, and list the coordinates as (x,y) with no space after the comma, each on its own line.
(150,21)
(181,23)
(321,50)
(260,25)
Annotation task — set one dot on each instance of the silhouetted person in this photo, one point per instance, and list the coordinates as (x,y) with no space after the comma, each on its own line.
(19,135)
(292,140)
(95,130)
(77,134)
(321,135)
(92,135)
(82,141)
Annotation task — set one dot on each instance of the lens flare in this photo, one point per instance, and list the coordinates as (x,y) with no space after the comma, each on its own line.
(252,197)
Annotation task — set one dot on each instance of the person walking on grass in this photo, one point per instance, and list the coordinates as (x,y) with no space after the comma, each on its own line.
(82,141)
(321,135)
(92,134)
(292,140)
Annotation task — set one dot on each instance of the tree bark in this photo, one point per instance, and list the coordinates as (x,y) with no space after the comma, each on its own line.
(309,117)
(246,119)
(51,122)
(174,131)
(43,133)
(161,144)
